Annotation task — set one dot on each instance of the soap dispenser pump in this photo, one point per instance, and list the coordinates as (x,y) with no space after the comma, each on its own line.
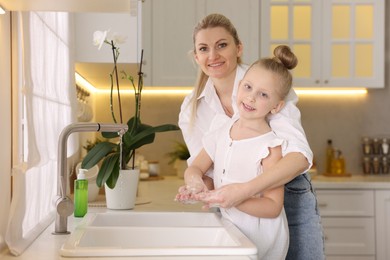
(80,194)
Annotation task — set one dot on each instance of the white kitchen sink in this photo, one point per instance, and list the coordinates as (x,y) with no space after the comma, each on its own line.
(156,234)
(155,219)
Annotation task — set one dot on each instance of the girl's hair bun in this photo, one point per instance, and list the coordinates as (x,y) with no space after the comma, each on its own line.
(284,55)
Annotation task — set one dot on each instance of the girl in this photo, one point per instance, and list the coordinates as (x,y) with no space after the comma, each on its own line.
(244,146)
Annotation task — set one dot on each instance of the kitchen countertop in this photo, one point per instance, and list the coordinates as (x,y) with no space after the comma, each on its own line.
(352,182)
(153,195)
(158,195)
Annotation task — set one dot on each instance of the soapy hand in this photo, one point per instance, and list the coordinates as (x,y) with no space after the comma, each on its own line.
(187,192)
(227,196)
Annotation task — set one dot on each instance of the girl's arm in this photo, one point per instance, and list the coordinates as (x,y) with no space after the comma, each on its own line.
(193,177)
(270,203)
(194,173)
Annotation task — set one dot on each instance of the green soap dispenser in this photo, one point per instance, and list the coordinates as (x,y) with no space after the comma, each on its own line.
(80,194)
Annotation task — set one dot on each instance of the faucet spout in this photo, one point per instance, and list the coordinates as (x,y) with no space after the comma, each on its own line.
(64,204)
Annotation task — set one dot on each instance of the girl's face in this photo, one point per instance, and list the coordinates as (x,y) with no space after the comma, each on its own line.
(257,95)
(216,52)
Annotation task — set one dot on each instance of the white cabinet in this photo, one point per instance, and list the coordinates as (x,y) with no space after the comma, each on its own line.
(348,221)
(356,223)
(339,43)
(382,212)
(167,28)
(167,39)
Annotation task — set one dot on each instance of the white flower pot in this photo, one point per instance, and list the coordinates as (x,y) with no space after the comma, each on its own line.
(124,194)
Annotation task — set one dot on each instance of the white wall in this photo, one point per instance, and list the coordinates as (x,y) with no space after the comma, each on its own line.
(5,129)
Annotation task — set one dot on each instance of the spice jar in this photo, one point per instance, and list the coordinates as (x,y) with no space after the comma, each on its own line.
(376,146)
(367,148)
(385,146)
(375,165)
(385,165)
(366,165)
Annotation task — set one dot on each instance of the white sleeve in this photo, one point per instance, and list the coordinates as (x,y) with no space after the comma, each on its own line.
(287,125)
(191,133)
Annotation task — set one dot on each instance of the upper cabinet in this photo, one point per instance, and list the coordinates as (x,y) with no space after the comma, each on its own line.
(339,43)
(167,28)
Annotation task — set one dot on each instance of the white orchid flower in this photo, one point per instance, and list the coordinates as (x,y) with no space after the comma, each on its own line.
(99,37)
(116,38)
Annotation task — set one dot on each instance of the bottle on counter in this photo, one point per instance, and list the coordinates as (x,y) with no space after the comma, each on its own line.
(338,163)
(329,156)
(80,194)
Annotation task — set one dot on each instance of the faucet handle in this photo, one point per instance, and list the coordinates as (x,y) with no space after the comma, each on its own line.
(64,206)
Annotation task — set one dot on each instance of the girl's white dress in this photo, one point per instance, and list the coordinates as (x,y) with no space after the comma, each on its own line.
(237,161)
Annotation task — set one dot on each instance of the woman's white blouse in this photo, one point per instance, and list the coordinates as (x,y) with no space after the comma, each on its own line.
(286,124)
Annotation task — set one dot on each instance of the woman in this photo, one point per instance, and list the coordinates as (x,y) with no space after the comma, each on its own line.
(217,51)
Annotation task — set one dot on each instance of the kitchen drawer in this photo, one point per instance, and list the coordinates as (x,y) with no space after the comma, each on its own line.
(345,203)
(349,236)
(355,257)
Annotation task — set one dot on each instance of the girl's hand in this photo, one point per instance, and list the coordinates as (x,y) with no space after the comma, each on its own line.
(187,192)
(183,195)
(227,196)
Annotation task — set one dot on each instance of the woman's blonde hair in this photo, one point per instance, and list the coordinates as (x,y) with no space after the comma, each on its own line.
(210,21)
(283,61)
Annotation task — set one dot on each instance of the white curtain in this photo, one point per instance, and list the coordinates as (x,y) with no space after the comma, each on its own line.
(50,101)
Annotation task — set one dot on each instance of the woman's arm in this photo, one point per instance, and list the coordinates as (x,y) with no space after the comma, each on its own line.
(286,169)
(268,206)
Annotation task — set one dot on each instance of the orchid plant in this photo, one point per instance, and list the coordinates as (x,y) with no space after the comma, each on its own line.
(116,156)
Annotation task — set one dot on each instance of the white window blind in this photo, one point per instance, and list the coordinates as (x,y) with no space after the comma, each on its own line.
(49,98)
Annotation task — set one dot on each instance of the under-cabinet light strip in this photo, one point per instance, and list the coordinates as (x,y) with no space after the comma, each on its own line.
(330,91)
(186,90)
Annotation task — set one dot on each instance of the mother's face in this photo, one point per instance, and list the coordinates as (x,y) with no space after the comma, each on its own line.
(216,52)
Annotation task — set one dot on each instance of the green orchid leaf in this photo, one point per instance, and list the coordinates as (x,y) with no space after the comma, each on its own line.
(133,124)
(107,169)
(144,135)
(109,135)
(113,178)
(146,140)
(98,152)
(127,137)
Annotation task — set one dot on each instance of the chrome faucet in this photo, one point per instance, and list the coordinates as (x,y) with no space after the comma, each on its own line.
(64,204)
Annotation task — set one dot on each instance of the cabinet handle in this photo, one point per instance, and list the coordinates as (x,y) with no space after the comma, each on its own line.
(317,81)
(326,81)
(322,205)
